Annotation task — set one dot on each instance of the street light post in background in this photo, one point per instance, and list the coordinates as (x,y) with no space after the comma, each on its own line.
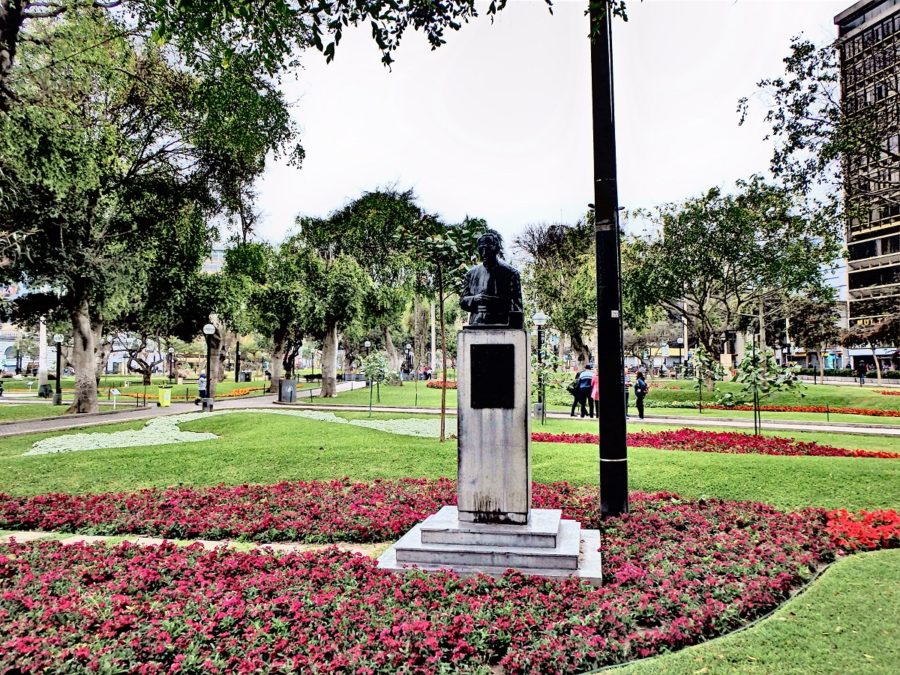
(539,319)
(208,331)
(57,397)
(411,366)
(171,365)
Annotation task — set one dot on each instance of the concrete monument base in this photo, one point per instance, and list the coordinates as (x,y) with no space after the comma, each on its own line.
(545,546)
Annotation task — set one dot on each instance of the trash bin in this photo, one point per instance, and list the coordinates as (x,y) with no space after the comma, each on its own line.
(165,397)
(287,391)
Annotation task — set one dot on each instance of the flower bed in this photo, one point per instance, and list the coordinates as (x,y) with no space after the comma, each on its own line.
(725,442)
(441,384)
(864,531)
(889,392)
(693,405)
(675,573)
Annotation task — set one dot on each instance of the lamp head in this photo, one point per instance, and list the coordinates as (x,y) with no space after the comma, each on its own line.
(539,318)
(58,338)
(209,329)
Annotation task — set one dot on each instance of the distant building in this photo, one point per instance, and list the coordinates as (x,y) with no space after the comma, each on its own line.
(869,50)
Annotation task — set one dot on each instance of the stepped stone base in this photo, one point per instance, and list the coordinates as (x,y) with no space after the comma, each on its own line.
(546,546)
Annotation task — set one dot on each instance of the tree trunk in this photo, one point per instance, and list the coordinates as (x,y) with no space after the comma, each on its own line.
(419,322)
(279,338)
(84,361)
(215,350)
(822,363)
(329,363)
(103,350)
(10,24)
(582,351)
(392,355)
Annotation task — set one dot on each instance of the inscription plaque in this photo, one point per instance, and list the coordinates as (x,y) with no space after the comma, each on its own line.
(492,384)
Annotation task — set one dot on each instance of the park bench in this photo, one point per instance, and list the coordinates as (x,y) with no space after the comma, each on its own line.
(313,377)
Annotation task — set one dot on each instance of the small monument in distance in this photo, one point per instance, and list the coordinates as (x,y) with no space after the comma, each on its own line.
(493,527)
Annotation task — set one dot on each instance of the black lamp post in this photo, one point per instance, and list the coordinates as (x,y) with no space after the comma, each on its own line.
(539,319)
(57,397)
(171,365)
(208,331)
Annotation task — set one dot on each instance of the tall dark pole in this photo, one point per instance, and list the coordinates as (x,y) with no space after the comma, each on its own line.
(237,357)
(540,355)
(610,356)
(57,399)
(208,367)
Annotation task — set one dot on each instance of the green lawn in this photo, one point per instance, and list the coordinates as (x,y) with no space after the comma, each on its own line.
(267,449)
(846,622)
(12,412)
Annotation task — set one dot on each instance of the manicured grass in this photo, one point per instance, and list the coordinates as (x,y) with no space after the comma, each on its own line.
(258,449)
(846,622)
(11,412)
(393,396)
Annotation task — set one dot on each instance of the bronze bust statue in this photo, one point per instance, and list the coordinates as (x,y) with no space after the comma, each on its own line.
(492,293)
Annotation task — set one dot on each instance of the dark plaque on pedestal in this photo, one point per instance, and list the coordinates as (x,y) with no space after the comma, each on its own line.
(494,386)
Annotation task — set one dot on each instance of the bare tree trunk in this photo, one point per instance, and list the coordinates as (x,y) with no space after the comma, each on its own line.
(278,341)
(393,356)
(582,351)
(103,349)
(10,24)
(822,363)
(329,363)
(84,361)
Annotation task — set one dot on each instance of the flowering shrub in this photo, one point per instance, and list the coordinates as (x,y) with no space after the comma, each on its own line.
(675,573)
(441,384)
(726,442)
(889,392)
(864,531)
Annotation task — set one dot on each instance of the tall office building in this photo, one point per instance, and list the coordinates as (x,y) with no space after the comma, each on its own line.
(869,51)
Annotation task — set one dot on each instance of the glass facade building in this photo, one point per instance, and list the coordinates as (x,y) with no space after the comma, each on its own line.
(869,53)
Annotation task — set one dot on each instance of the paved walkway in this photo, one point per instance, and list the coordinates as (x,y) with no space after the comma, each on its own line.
(113,417)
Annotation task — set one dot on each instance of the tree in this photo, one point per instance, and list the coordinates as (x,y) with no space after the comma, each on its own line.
(717,256)
(443,254)
(267,34)
(814,129)
(638,343)
(560,278)
(104,155)
(814,321)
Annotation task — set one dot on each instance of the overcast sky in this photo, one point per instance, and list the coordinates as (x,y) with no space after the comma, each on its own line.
(497,122)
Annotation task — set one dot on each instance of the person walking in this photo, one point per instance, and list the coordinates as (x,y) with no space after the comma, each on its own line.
(861,370)
(640,391)
(201,389)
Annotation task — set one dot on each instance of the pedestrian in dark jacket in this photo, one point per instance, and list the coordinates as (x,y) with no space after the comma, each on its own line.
(640,391)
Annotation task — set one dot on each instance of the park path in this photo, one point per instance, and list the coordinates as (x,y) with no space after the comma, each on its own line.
(269,401)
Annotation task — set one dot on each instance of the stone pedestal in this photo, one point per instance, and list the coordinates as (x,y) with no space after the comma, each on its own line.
(493,528)
(494,427)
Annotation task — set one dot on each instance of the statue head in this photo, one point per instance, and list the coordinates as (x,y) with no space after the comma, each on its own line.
(490,246)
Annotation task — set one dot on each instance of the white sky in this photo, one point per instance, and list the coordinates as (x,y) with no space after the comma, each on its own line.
(497,122)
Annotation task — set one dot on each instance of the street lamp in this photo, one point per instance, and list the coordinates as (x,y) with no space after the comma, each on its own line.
(367,344)
(208,331)
(539,319)
(171,364)
(57,397)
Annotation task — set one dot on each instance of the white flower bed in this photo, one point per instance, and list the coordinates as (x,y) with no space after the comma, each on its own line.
(165,430)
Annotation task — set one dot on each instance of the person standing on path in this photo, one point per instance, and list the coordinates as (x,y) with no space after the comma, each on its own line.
(594,399)
(201,388)
(640,391)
